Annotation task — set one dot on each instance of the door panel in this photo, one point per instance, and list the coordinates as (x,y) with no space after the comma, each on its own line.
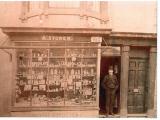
(137,85)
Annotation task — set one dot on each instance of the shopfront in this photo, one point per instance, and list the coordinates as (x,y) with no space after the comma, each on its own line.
(59,76)
(61,71)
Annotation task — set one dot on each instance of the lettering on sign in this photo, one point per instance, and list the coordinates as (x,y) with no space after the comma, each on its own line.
(57,38)
(96,39)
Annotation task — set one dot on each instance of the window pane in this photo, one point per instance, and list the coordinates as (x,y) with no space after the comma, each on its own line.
(73,75)
(23,78)
(39,77)
(56,77)
(89,71)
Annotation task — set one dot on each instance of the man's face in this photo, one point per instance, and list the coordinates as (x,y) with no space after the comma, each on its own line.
(110,72)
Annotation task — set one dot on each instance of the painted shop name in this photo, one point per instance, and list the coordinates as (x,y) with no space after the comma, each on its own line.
(57,38)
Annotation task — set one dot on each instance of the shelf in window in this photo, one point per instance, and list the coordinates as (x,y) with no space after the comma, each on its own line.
(57,57)
(88,75)
(69,67)
(39,66)
(57,66)
(55,74)
(88,57)
(38,91)
(88,66)
(38,57)
(26,67)
(76,78)
(69,57)
(23,57)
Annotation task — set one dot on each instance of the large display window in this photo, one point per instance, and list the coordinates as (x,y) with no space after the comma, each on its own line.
(56,76)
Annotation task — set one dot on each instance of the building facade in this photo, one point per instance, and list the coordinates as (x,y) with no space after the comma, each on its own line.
(54,56)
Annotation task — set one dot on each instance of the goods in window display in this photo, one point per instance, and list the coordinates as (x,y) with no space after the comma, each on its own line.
(35,88)
(42,87)
(42,81)
(35,82)
(27,87)
(59,76)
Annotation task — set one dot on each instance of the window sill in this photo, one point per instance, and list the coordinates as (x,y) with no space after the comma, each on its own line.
(55,108)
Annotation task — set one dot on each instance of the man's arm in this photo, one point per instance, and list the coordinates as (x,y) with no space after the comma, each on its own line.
(117,84)
(103,82)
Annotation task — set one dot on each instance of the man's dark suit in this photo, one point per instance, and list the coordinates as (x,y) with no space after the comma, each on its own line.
(110,84)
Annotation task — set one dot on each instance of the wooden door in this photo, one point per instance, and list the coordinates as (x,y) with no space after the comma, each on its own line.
(137,85)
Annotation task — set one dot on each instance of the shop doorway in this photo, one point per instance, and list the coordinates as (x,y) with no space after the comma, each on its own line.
(105,63)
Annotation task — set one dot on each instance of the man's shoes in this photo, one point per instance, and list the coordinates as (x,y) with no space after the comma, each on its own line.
(106,114)
(111,113)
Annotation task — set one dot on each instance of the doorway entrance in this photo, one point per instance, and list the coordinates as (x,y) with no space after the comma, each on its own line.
(105,63)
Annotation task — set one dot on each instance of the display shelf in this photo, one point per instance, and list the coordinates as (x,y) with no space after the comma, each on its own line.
(57,57)
(56,77)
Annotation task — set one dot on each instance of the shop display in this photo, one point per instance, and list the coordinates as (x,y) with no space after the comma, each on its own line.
(56,77)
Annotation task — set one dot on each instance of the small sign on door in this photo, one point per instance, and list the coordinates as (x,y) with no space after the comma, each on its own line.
(135,90)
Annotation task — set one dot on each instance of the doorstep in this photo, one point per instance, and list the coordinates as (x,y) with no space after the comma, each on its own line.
(137,115)
(127,116)
(110,116)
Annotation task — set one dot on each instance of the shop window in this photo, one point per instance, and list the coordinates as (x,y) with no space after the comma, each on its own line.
(56,77)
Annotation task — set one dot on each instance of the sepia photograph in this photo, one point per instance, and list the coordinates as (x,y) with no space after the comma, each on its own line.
(81,59)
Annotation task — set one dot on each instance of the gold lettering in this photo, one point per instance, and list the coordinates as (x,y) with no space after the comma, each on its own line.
(60,38)
(68,38)
(64,38)
(53,37)
(44,37)
(49,38)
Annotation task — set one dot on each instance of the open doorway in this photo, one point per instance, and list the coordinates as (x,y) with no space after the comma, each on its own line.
(105,63)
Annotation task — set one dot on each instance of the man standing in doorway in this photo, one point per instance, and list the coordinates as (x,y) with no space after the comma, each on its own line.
(110,84)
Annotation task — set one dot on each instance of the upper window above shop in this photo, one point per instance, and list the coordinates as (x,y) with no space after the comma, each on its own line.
(93,6)
(94,9)
(64,4)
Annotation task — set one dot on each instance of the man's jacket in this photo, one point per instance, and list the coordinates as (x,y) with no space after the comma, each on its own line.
(110,82)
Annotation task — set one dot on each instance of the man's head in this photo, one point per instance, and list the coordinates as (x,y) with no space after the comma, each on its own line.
(110,71)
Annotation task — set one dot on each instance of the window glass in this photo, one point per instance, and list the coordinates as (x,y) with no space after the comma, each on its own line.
(56,76)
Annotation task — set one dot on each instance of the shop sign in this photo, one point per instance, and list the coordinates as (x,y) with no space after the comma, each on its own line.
(96,39)
(57,38)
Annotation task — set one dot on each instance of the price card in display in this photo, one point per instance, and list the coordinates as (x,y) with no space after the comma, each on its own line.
(29,81)
(51,81)
(64,84)
(42,87)
(29,77)
(70,87)
(40,76)
(35,82)
(40,58)
(57,83)
(41,81)
(70,81)
(27,87)
(78,84)
(35,88)
(88,92)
